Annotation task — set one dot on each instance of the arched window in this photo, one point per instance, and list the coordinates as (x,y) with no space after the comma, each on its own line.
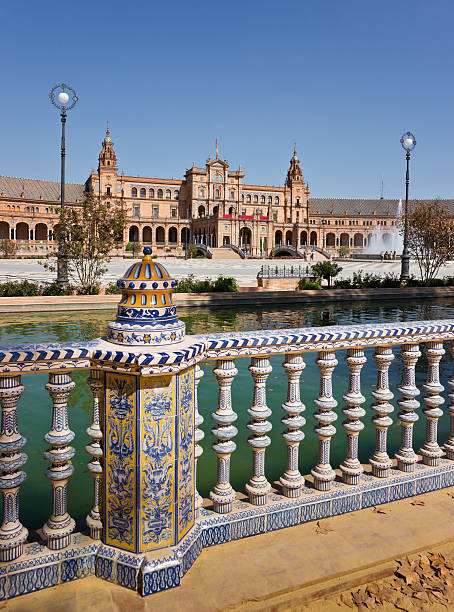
(248,199)
(256,199)
(160,194)
(134,192)
(143,192)
(217,194)
(232,195)
(151,193)
(201,192)
(270,199)
(231,210)
(176,194)
(262,199)
(168,194)
(276,200)
(201,211)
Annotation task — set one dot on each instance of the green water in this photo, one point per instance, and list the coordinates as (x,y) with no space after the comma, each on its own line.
(35,405)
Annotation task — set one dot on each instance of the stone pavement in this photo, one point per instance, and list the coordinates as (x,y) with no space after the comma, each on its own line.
(245,271)
(292,569)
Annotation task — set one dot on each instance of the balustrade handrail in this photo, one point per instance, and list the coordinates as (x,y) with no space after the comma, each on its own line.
(38,357)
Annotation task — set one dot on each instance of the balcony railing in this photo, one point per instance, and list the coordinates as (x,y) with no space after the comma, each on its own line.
(167,379)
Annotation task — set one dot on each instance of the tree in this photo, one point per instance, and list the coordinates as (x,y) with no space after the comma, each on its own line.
(134,247)
(88,234)
(326,270)
(430,237)
(7,247)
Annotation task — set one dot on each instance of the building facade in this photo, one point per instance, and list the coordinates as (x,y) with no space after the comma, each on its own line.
(212,206)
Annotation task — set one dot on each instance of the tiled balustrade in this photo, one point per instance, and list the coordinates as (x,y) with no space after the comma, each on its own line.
(147,523)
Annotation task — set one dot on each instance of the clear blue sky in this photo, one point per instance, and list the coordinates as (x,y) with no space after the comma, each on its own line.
(342,78)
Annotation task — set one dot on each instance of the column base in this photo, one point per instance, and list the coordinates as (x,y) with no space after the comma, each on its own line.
(449,450)
(12,550)
(351,472)
(223,501)
(292,486)
(59,537)
(258,496)
(381,468)
(95,525)
(323,480)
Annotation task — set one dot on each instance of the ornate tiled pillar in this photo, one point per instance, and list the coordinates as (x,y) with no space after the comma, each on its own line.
(291,480)
(380,461)
(351,468)
(258,487)
(223,494)
(323,473)
(60,525)
(12,533)
(406,456)
(431,451)
(149,423)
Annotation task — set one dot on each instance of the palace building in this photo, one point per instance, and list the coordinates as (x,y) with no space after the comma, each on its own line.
(210,206)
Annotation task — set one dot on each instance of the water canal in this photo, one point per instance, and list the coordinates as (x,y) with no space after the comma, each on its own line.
(35,406)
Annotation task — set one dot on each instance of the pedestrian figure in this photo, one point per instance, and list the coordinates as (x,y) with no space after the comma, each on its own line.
(312,256)
(382,255)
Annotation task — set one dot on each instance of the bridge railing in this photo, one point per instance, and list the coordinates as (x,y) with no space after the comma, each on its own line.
(391,473)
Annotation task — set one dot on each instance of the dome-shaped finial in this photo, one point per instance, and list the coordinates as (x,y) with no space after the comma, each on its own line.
(146,313)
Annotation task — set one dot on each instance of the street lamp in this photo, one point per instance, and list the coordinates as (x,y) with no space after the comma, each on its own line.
(408,143)
(324,222)
(64,98)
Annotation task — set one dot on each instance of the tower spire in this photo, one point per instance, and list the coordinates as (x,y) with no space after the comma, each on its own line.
(107,131)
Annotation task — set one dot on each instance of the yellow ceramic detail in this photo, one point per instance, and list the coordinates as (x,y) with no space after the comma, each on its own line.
(120,405)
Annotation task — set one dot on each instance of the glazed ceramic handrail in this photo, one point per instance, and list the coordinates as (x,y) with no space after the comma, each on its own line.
(40,357)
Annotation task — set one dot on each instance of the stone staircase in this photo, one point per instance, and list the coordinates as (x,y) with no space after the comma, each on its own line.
(220,253)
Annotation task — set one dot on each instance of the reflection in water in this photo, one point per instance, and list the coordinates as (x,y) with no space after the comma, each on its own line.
(73,326)
(35,406)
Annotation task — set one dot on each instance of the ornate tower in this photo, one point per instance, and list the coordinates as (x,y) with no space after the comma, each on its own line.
(297,193)
(107,166)
(107,157)
(294,174)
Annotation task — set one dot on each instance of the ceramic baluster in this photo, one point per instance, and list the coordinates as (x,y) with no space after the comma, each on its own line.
(431,451)
(60,525)
(380,461)
(198,435)
(323,473)
(291,480)
(223,494)
(351,468)
(12,533)
(95,381)
(449,444)
(406,456)
(258,487)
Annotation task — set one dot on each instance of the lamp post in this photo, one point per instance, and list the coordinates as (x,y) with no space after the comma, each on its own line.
(408,143)
(297,230)
(324,222)
(64,98)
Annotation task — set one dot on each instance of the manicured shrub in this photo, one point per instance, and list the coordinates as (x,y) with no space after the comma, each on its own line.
(112,289)
(304,284)
(225,283)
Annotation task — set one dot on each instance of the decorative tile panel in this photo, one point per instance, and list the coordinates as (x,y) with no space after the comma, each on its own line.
(120,460)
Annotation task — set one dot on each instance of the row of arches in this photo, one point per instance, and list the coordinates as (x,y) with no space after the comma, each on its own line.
(358,239)
(22,231)
(142,192)
(159,234)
